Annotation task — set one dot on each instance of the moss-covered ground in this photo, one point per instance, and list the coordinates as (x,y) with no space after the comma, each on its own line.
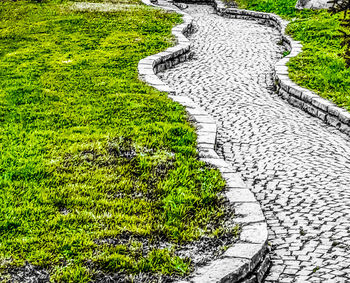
(98,172)
(320,67)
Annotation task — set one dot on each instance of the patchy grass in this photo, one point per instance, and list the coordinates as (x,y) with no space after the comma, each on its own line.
(320,67)
(98,172)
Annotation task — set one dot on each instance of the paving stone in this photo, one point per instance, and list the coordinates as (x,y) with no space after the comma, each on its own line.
(196,111)
(297,166)
(204,137)
(226,269)
(254,233)
(203,119)
(153,80)
(234,180)
(164,88)
(254,252)
(250,212)
(240,195)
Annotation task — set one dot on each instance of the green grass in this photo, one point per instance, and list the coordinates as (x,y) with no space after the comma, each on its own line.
(320,67)
(90,153)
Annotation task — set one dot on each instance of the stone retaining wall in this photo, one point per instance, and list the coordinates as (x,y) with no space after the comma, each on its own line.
(247,260)
(288,90)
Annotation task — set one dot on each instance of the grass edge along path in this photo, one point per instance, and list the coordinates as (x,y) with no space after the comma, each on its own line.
(320,66)
(99,173)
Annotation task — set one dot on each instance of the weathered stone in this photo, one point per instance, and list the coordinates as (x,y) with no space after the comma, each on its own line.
(322,114)
(262,269)
(206,127)
(344,116)
(165,88)
(248,212)
(295,101)
(222,270)
(160,67)
(321,103)
(184,100)
(219,163)
(165,56)
(196,111)
(310,109)
(282,70)
(334,110)
(240,195)
(254,233)
(307,96)
(313,4)
(206,145)
(145,70)
(254,252)
(176,50)
(345,128)
(234,180)
(153,80)
(245,250)
(169,64)
(333,121)
(296,91)
(206,138)
(203,119)
(147,61)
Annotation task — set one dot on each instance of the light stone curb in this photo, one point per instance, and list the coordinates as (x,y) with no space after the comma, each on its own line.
(246,259)
(298,96)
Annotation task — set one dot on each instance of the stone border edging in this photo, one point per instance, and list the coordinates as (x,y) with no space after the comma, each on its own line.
(248,259)
(296,95)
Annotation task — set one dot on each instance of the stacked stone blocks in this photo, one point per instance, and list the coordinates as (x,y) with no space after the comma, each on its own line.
(247,260)
(297,96)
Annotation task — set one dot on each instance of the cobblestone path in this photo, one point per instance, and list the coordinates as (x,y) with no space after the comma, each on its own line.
(298,167)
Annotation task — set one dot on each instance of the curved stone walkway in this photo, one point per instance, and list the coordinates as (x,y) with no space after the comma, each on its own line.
(297,166)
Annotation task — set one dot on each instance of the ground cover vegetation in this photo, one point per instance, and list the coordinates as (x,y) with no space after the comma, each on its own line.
(321,67)
(343,6)
(99,175)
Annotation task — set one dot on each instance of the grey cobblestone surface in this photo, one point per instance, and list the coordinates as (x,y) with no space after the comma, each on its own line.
(297,166)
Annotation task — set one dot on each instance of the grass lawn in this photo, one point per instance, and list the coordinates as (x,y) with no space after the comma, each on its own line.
(320,66)
(98,172)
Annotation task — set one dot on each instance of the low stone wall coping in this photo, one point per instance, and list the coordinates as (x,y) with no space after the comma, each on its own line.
(248,257)
(296,95)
